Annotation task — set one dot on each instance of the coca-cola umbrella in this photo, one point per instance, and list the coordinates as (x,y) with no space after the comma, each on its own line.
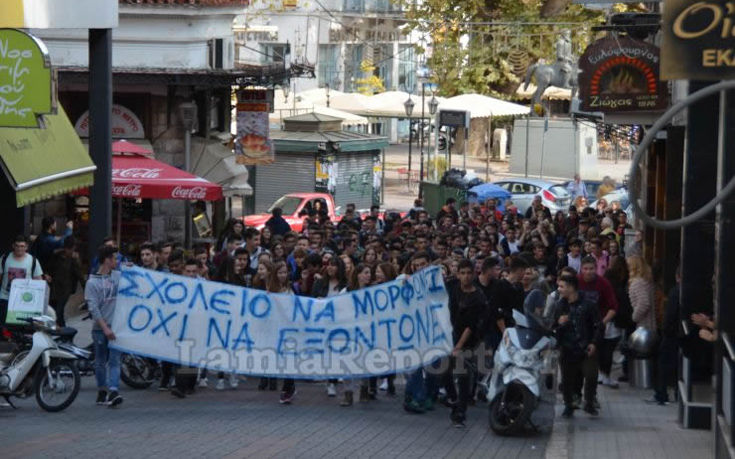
(139,177)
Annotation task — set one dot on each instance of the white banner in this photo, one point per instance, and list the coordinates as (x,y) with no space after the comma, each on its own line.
(391,328)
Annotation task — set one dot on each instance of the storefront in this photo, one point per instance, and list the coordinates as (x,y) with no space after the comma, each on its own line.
(313,154)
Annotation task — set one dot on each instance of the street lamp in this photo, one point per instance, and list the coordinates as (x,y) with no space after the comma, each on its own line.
(433,105)
(189,120)
(326,88)
(408,105)
(286,88)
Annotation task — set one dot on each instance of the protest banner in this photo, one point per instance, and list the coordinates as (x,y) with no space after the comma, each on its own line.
(390,328)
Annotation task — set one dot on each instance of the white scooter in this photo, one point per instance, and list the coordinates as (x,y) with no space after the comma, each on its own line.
(45,369)
(514,388)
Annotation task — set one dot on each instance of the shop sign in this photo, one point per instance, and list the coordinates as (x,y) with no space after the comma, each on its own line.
(698,40)
(125,124)
(253,145)
(619,74)
(27,81)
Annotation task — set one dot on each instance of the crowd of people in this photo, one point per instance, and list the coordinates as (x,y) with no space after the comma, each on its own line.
(576,270)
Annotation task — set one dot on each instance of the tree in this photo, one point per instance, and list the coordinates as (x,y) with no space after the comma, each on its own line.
(370,83)
(485,46)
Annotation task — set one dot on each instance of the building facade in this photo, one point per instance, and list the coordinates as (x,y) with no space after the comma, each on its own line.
(165,53)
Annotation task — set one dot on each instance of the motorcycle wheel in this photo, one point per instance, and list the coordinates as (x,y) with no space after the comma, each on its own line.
(510,411)
(57,392)
(136,371)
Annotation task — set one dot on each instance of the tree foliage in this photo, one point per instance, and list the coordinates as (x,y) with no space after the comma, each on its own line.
(470,55)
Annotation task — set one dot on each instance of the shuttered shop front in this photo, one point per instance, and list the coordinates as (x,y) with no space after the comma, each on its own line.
(290,173)
(355,179)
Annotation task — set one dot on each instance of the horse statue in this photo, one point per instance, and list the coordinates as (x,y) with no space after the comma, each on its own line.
(550,75)
(563,73)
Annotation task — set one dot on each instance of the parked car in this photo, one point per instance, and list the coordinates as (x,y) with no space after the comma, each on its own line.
(592,186)
(553,195)
(296,207)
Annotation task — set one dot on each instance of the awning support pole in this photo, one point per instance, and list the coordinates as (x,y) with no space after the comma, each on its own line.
(100,136)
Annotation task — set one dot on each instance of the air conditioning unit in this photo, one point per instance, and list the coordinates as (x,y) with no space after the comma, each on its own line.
(217,53)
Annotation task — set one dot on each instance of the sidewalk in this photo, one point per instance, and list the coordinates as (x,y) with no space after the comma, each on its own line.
(626,428)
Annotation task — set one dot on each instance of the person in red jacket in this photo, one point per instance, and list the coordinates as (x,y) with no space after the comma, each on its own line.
(600,292)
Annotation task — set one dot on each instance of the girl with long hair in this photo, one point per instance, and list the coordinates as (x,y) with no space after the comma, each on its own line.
(385,272)
(362,278)
(330,282)
(617,275)
(260,282)
(641,293)
(278,282)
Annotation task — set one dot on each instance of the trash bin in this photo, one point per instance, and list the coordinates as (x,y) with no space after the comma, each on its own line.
(641,372)
(642,344)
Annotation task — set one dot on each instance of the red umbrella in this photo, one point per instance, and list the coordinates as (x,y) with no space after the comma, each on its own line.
(135,177)
(140,177)
(123,146)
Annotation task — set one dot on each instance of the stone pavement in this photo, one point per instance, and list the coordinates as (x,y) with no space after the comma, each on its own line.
(626,428)
(249,423)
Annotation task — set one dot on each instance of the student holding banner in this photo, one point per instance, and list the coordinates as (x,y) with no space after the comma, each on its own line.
(331,282)
(362,277)
(100,294)
(385,272)
(278,283)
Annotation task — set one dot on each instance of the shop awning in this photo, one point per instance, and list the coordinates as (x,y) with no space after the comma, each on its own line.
(41,163)
(137,176)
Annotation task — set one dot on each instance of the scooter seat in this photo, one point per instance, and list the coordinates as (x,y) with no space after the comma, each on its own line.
(66,333)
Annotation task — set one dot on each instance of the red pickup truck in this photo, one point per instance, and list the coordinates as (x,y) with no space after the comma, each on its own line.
(296,207)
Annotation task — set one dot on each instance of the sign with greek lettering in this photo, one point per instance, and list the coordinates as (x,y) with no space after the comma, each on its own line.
(619,74)
(698,40)
(27,82)
(393,327)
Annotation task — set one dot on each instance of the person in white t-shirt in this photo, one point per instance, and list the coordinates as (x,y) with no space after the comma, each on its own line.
(17,264)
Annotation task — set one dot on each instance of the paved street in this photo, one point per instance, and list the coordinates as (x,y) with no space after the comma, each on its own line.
(249,423)
(626,428)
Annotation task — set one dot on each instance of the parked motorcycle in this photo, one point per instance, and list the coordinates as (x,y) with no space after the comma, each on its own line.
(139,372)
(46,369)
(516,379)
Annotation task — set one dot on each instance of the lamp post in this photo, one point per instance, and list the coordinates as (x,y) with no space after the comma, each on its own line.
(433,107)
(188,112)
(408,105)
(326,87)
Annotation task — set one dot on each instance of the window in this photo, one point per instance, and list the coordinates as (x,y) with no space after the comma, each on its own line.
(274,53)
(328,66)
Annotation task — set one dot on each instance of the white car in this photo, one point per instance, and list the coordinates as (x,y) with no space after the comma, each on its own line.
(553,195)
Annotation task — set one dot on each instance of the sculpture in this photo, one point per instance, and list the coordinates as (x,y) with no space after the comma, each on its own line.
(563,73)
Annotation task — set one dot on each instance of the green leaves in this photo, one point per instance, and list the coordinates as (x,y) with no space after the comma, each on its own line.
(470,55)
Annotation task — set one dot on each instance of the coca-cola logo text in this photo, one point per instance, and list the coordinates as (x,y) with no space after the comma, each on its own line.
(126,191)
(195,193)
(137,173)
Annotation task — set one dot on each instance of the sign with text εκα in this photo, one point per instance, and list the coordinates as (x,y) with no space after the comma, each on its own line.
(698,40)
(621,75)
(252,143)
(393,327)
(27,81)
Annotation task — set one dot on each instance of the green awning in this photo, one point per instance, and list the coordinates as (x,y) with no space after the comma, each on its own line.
(41,163)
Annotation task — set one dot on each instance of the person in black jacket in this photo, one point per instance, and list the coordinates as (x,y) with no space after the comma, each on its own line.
(277,224)
(577,326)
(668,351)
(467,311)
